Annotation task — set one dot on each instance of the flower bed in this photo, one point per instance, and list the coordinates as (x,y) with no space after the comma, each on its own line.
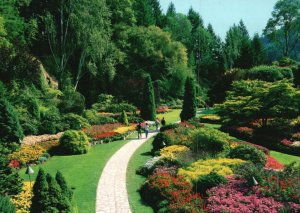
(204,167)
(162,109)
(22,201)
(232,197)
(28,154)
(213,119)
(174,192)
(30,140)
(174,152)
(272,163)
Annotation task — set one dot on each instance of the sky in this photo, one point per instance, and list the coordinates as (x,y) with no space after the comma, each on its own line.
(224,13)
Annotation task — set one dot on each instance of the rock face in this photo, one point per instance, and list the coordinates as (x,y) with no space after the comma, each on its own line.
(30,140)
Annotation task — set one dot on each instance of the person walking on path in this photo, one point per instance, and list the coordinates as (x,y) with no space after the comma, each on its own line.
(156,123)
(163,122)
(147,130)
(139,130)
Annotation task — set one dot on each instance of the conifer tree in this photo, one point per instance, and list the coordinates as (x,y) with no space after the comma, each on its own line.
(123,118)
(6,205)
(144,13)
(148,109)
(11,132)
(57,201)
(40,197)
(157,13)
(189,103)
(10,181)
(65,189)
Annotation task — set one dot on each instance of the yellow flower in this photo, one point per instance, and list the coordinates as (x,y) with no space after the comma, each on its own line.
(124,129)
(28,153)
(173,152)
(204,167)
(22,201)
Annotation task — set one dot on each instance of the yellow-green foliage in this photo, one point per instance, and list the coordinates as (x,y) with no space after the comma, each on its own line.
(204,167)
(211,117)
(174,152)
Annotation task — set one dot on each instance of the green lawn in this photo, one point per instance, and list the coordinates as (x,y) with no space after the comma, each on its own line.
(82,172)
(171,117)
(285,158)
(135,181)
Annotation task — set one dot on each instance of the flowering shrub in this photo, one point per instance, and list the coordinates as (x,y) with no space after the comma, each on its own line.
(272,163)
(22,201)
(105,135)
(204,167)
(210,119)
(286,189)
(172,170)
(162,109)
(49,145)
(125,129)
(28,154)
(175,191)
(174,152)
(180,135)
(286,142)
(264,149)
(148,167)
(99,129)
(232,198)
(14,164)
(296,136)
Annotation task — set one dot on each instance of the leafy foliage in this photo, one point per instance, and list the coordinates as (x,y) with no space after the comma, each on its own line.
(74,142)
(148,109)
(189,103)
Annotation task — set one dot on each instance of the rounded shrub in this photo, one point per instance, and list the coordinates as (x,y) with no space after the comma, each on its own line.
(169,126)
(209,140)
(160,141)
(75,122)
(249,153)
(74,142)
(205,182)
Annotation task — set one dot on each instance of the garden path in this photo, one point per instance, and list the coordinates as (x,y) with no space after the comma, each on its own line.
(111,191)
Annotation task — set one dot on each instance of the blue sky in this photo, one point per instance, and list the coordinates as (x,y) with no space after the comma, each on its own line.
(224,13)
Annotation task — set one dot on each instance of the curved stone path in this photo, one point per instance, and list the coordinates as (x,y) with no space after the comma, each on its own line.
(111,191)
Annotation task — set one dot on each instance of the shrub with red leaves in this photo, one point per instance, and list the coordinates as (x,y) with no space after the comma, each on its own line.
(286,142)
(14,164)
(105,135)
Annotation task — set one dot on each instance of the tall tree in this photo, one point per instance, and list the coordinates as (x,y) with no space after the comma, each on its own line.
(148,109)
(189,102)
(195,19)
(157,13)
(11,132)
(40,198)
(144,13)
(91,23)
(259,55)
(171,10)
(284,26)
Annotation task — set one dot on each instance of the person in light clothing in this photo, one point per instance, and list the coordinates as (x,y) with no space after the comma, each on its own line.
(147,130)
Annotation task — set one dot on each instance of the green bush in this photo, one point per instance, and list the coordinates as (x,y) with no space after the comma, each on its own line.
(169,126)
(75,122)
(91,116)
(106,120)
(6,206)
(209,181)
(134,118)
(72,101)
(74,142)
(51,122)
(160,141)
(118,108)
(209,140)
(249,171)
(123,118)
(268,73)
(250,153)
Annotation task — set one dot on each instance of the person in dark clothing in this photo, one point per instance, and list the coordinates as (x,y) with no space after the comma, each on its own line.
(163,122)
(139,130)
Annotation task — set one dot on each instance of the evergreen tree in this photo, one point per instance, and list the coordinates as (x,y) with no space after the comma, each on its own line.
(259,56)
(148,109)
(65,189)
(144,13)
(157,13)
(6,206)
(40,199)
(171,10)
(123,118)
(245,59)
(195,19)
(189,103)
(11,132)
(57,201)
(10,181)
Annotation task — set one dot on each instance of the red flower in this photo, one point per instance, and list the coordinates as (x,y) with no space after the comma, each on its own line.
(272,163)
